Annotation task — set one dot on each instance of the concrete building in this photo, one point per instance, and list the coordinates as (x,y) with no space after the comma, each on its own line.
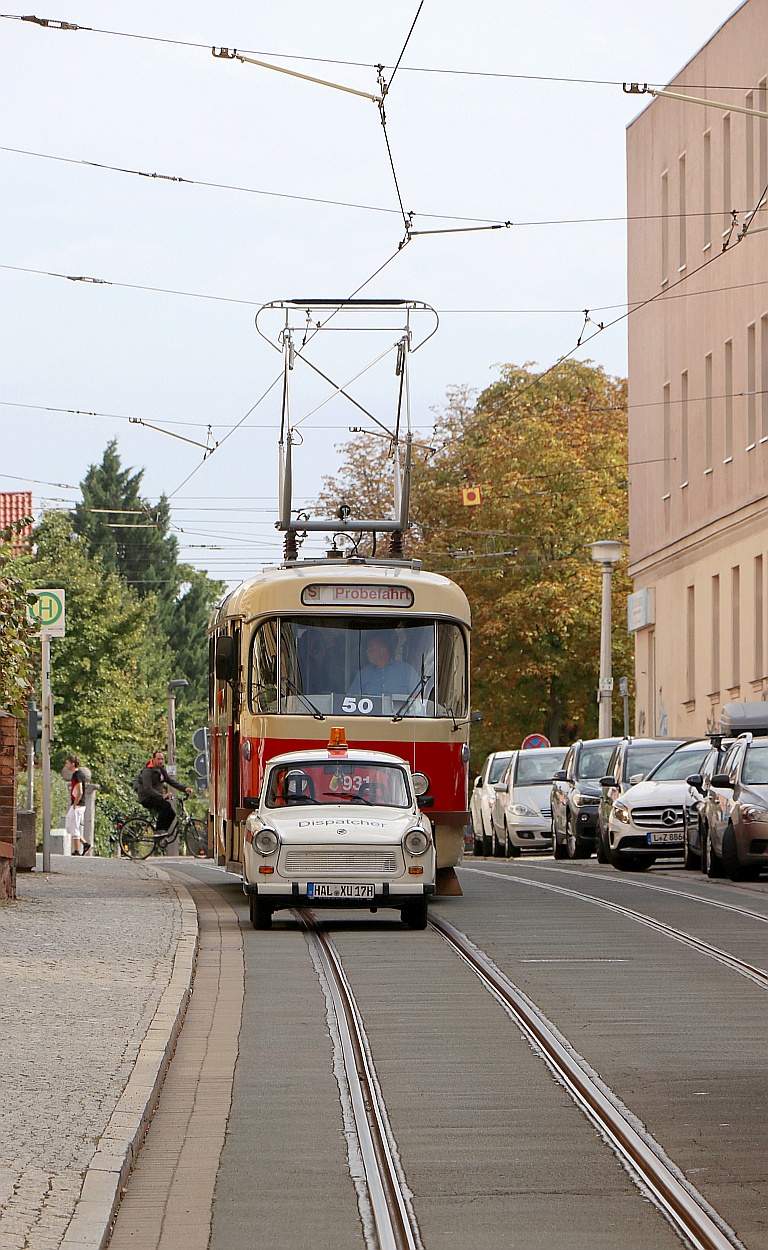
(698,386)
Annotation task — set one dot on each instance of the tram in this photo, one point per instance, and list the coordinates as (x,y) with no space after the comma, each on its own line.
(376,646)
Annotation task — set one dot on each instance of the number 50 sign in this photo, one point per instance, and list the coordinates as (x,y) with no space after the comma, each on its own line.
(47,612)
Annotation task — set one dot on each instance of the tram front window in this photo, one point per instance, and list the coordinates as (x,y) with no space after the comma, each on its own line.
(342,666)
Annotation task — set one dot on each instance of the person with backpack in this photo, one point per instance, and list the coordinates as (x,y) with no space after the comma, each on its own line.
(149,789)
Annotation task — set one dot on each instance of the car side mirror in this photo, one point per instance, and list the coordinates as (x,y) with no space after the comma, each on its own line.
(696,782)
(225,658)
(476,718)
(500,788)
(607,781)
(560,775)
(251,800)
(722,781)
(478,782)
(636,778)
(425,800)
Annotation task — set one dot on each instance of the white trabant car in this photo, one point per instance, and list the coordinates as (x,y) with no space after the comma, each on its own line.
(339,827)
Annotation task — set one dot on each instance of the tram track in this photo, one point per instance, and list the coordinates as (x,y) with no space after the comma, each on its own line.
(643,1158)
(394,1224)
(759,976)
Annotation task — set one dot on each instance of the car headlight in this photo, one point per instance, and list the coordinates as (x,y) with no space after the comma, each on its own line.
(586,800)
(754,815)
(266,841)
(415,841)
(622,813)
(519,809)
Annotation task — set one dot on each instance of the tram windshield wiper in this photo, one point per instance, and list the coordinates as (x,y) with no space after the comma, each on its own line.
(420,684)
(291,685)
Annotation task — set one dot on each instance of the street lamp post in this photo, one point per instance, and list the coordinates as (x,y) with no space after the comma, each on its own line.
(173,686)
(606,554)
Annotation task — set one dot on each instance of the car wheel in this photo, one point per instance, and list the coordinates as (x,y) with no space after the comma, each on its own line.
(487,843)
(478,846)
(691,860)
(261,913)
(499,848)
(513,851)
(414,914)
(715,867)
(734,870)
(558,850)
(601,854)
(576,847)
(625,862)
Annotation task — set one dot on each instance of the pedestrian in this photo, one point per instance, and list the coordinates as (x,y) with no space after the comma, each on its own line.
(151,795)
(74,823)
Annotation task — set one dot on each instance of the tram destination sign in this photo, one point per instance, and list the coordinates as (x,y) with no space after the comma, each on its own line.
(350,594)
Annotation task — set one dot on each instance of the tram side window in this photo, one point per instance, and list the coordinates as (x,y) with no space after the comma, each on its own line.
(451,670)
(264,668)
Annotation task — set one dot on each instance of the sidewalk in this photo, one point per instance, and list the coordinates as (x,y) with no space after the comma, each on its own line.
(86,954)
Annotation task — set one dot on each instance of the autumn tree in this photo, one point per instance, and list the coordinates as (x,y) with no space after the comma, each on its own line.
(549,454)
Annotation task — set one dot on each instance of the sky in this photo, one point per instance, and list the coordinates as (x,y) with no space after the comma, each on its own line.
(167,332)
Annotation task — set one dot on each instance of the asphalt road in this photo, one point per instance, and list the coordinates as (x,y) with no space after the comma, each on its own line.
(495,1152)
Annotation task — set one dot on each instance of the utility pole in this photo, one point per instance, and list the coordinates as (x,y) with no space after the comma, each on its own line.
(173,686)
(45,692)
(606,554)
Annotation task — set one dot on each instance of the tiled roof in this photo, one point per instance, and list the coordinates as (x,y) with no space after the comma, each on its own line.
(14,506)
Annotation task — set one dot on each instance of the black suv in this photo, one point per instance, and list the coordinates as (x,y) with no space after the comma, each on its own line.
(576,797)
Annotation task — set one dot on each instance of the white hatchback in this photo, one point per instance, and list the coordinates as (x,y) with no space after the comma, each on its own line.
(339,827)
(522,812)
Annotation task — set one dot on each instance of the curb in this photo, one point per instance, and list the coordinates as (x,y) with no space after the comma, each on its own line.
(91,1224)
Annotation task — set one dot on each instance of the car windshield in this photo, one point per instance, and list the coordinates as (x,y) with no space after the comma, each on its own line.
(681,764)
(643,757)
(347,782)
(593,760)
(537,768)
(756,766)
(498,765)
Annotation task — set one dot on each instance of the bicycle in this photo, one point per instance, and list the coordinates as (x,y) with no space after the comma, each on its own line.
(139,838)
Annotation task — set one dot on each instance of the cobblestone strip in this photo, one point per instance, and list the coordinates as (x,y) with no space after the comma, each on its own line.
(121,1141)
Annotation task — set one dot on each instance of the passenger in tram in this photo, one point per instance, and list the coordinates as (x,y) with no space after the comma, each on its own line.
(382,674)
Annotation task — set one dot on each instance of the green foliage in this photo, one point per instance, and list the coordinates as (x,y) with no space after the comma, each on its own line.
(15,632)
(549,453)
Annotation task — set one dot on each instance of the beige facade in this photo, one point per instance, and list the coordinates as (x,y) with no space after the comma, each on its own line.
(698,386)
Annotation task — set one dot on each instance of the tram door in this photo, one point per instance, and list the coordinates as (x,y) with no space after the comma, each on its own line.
(225,762)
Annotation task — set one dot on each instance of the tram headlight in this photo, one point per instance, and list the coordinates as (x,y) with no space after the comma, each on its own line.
(415,841)
(266,841)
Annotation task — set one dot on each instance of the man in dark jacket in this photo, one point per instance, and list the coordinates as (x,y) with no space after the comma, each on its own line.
(151,794)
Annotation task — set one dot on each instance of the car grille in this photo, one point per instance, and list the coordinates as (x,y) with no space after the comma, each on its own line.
(651,817)
(318,861)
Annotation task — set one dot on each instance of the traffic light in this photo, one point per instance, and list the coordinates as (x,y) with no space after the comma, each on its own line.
(34,721)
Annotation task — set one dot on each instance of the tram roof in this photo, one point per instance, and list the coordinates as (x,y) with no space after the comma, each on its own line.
(281,590)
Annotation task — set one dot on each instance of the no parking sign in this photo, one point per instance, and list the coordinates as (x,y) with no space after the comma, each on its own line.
(534,741)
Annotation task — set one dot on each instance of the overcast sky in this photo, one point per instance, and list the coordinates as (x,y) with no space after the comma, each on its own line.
(495,148)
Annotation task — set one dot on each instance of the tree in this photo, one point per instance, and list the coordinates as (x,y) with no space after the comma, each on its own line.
(15,633)
(548,452)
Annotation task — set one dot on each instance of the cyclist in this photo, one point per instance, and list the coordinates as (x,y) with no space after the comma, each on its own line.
(150,791)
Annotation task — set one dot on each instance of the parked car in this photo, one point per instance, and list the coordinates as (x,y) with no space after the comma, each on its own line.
(482,799)
(522,816)
(737,812)
(647,821)
(696,816)
(339,827)
(632,760)
(576,796)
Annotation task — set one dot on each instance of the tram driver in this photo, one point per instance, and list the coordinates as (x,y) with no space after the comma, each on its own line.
(383,674)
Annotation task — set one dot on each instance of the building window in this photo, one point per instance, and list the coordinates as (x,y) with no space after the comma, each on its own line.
(715,673)
(727,204)
(683,219)
(708,413)
(691,645)
(751,387)
(707,189)
(758,616)
(684,428)
(728,402)
(735,627)
(664,228)
(667,452)
(749,102)
(764,378)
